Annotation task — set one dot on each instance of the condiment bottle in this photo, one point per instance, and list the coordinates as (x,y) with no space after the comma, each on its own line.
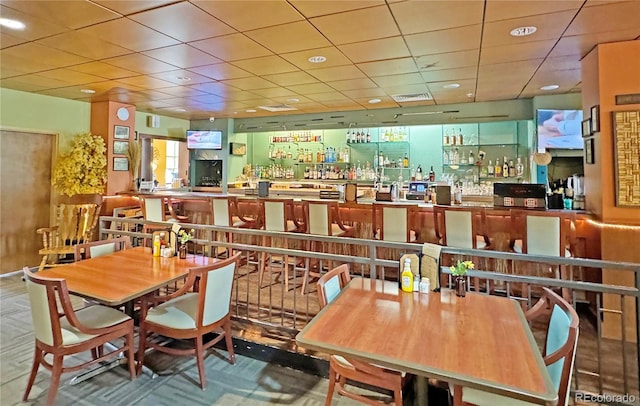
(425,285)
(156,246)
(406,277)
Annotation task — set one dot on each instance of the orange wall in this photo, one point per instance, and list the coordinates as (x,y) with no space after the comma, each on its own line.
(609,70)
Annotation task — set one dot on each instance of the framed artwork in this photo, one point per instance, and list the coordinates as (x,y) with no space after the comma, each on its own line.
(238,148)
(626,138)
(588,151)
(121,132)
(120,147)
(120,164)
(595,118)
(586,127)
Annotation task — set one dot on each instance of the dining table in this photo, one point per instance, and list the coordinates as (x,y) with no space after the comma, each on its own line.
(477,341)
(120,278)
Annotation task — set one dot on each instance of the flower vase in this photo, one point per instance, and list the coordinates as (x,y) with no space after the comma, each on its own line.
(461,286)
(182,251)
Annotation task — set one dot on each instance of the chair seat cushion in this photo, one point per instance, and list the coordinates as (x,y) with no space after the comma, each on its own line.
(412,235)
(336,231)
(92,317)
(517,247)
(237,222)
(177,313)
(343,361)
(481,398)
(480,242)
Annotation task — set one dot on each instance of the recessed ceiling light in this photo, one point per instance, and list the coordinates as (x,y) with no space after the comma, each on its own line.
(549,87)
(452,86)
(293,100)
(523,31)
(13,24)
(90,91)
(317,59)
(374,101)
(179,109)
(251,110)
(185,78)
(469,94)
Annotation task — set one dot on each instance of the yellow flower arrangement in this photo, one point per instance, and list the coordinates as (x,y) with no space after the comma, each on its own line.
(185,236)
(84,169)
(461,268)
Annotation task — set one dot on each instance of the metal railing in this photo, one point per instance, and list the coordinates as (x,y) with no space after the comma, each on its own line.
(604,366)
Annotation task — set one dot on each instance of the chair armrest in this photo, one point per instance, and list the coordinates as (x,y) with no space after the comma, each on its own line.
(541,307)
(370,369)
(47,230)
(186,288)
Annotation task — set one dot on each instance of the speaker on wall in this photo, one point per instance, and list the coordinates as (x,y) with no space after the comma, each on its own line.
(153,121)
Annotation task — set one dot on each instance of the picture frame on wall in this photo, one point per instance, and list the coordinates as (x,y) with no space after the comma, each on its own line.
(588,151)
(120,147)
(595,118)
(121,132)
(586,127)
(120,164)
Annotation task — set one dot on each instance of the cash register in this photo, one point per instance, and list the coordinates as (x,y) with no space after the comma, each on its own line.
(417,190)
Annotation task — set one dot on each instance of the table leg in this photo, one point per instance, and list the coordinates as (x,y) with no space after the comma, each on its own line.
(421,391)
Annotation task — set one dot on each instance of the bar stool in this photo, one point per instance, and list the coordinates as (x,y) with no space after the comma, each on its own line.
(322,218)
(277,215)
(391,222)
(224,213)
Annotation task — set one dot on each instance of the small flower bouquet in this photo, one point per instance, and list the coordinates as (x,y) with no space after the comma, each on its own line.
(184,236)
(461,268)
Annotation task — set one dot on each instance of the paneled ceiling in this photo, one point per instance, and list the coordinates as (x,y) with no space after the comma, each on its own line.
(196,59)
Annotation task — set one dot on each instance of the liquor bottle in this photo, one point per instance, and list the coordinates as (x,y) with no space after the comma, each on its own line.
(359,171)
(445,158)
(432,175)
(419,173)
(498,169)
(505,168)
(519,168)
(471,158)
(368,136)
(405,161)
(348,137)
(490,169)
(413,173)
(512,169)
(460,137)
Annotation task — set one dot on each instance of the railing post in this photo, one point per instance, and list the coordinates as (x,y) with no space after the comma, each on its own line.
(637,280)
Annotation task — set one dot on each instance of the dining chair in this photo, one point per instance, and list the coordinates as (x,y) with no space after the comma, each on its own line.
(101,247)
(75,220)
(340,369)
(277,215)
(201,306)
(322,218)
(558,354)
(61,331)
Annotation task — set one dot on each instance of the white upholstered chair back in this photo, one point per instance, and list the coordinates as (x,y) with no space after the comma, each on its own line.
(40,311)
(217,293)
(459,229)
(153,209)
(394,224)
(543,236)
(221,213)
(274,216)
(318,221)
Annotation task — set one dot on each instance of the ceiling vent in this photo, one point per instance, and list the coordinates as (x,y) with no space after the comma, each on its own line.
(277,108)
(403,98)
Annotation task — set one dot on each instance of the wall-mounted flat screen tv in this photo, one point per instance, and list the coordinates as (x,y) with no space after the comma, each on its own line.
(559,129)
(206,139)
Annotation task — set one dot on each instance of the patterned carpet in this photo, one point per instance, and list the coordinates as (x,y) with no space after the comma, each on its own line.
(248,382)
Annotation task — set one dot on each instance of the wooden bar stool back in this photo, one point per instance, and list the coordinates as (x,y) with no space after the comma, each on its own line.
(393,223)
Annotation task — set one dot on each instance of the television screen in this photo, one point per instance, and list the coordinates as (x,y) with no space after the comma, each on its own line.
(559,129)
(206,139)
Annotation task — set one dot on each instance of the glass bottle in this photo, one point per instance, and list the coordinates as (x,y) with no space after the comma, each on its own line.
(505,168)
(405,161)
(432,175)
(512,169)
(519,168)
(490,168)
(368,136)
(471,158)
(498,169)
(419,173)
(445,158)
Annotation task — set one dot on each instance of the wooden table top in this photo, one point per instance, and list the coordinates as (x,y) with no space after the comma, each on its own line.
(477,341)
(124,275)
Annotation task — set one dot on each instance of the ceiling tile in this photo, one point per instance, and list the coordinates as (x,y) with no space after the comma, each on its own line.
(19,65)
(566,79)
(549,26)
(290,37)
(217,88)
(406,89)
(318,8)
(250,83)
(178,91)
(380,68)
(248,15)
(70,14)
(311,89)
(376,50)
(561,63)
(606,17)
(221,71)
(330,96)
(398,80)
(422,16)
(140,63)
(83,44)
(193,23)
(448,60)
(22,84)
(453,99)
(10,40)
(103,70)
(266,65)
(368,93)
(291,78)
(181,77)
(506,71)
(70,77)
(126,7)
(232,47)
(504,10)
(301,59)
(182,56)
(582,44)
(146,82)
(515,52)
(386,102)
(444,41)
(130,34)
(35,28)
(358,25)
(43,55)
(449,74)
(337,73)
(274,92)
(39,81)
(352,84)
(437,89)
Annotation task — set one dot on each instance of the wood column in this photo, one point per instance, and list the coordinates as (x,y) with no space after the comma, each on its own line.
(607,71)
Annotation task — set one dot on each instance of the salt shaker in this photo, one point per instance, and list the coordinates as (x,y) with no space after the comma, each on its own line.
(416,283)
(424,285)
